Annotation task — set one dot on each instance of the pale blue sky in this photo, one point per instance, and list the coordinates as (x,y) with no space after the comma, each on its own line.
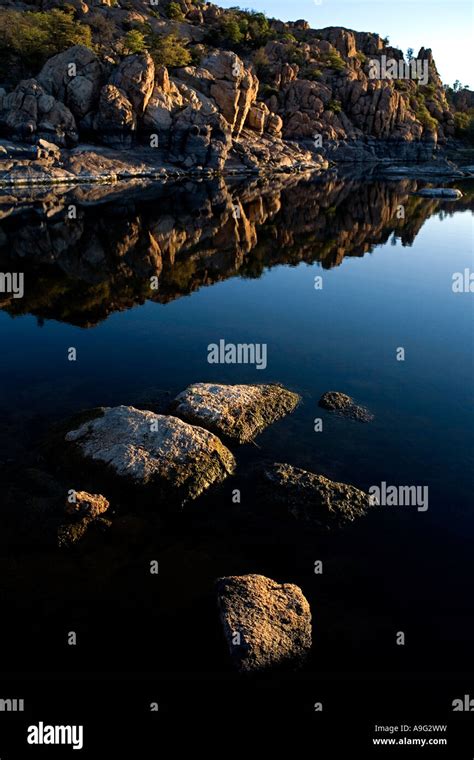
(446,26)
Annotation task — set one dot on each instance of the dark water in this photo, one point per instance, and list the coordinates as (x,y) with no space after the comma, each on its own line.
(387,283)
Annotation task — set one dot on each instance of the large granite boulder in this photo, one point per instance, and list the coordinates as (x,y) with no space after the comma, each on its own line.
(313,498)
(164,101)
(266,624)
(115,121)
(74,77)
(238,412)
(29,113)
(233,87)
(260,119)
(135,76)
(187,122)
(153,451)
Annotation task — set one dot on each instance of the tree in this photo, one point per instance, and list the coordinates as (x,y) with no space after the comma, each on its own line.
(231,31)
(169,50)
(261,62)
(410,54)
(28,39)
(134,42)
(174,12)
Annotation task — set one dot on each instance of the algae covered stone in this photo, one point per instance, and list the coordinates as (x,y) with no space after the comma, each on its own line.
(153,450)
(238,412)
(342,404)
(312,497)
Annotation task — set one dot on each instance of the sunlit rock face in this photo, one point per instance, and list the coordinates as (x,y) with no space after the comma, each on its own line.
(266,624)
(295,84)
(153,451)
(239,412)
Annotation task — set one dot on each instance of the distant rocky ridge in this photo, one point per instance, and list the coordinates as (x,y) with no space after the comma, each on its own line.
(262,106)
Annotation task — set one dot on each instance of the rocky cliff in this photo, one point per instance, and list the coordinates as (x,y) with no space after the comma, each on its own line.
(206,87)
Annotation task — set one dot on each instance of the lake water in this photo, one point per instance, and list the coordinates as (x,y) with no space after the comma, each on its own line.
(249,277)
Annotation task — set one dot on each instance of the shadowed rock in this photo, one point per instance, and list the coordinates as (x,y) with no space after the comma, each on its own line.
(153,450)
(338,402)
(85,511)
(239,412)
(71,533)
(312,497)
(266,624)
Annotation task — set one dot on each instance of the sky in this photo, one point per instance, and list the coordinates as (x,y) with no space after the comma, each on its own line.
(445,26)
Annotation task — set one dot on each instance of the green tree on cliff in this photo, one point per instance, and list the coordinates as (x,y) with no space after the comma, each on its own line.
(28,39)
(169,50)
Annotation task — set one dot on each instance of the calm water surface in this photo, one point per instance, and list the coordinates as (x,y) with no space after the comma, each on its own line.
(387,284)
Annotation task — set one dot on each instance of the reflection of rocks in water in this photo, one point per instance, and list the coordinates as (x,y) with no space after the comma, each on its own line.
(88,252)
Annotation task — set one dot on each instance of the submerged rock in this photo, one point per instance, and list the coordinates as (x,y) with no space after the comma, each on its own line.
(312,497)
(266,624)
(153,450)
(239,412)
(338,402)
(440,192)
(71,533)
(81,514)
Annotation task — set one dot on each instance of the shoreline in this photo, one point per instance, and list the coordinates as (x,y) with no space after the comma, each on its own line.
(44,164)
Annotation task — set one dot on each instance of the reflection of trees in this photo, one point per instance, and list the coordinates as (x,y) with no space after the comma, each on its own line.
(81,270)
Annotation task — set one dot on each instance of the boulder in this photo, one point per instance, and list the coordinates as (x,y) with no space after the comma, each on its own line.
(313,498)
(238,412)
(257,117)
(200,138)
(71,533)
(29,113)
(87,505)
(234,88)
(74,77)
(153,451)
(266,624)
(187,123)
(135,76)
(115,120)
(274,125)
(344,405)
(165,100)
